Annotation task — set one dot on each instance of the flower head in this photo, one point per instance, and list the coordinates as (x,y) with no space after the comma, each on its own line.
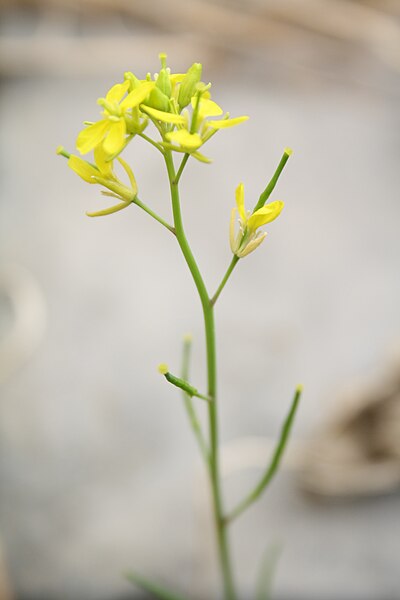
(178,104)
(249,238)
(180,107)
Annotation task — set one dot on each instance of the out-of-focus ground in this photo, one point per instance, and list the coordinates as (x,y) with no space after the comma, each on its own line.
(98,471)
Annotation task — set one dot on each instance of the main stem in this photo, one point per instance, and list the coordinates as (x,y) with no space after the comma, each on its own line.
(208,313)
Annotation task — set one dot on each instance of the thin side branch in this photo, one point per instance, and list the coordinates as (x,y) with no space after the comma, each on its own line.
(275,461)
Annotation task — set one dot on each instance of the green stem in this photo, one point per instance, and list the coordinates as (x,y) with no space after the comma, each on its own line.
(181,167)
(152,142)
(221,286)
(208,314)
(274,464)
(153,214)
(267,572)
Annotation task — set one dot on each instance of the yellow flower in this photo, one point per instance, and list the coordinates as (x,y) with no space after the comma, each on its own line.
(111,131)
(102,172)
(248,238)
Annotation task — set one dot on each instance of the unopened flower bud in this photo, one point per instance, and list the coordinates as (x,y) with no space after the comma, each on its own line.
(158,100)
(163,82)
(133,80)
(188,85)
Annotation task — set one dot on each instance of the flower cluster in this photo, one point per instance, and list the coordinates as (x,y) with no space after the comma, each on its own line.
(184,117)
(129,106)
(178,104)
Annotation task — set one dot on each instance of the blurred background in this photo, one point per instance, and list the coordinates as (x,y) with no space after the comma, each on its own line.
(99,473)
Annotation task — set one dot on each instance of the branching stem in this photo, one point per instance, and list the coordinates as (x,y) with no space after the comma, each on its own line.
(153,214)
(208,314)
(221,286)
(274,464)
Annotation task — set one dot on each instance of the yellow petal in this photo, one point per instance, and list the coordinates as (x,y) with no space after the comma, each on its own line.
(138,95)
(109,211)
(169,146)
(118,188)
(207,108)
(188,141)
(226,123)
(130,174)
(177,77)
(117,92)
(102,161)
(232,237)
(83,168)
(201,158)
(240,203)
(264,215)
(165,117)
(115,140)
(196,154)
(91,136)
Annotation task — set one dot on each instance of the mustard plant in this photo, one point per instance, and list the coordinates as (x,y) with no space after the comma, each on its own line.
(174,113)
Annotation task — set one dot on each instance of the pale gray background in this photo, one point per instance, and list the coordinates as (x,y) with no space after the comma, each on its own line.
(98,471)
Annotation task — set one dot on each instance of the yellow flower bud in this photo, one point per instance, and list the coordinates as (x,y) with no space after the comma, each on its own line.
(188,85)
(158,100)
(163,82)
(133,80)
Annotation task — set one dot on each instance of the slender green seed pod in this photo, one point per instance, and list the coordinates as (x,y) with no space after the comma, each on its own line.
(181,383)
(270,187)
